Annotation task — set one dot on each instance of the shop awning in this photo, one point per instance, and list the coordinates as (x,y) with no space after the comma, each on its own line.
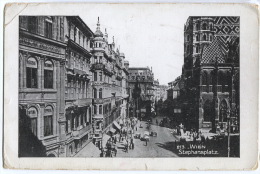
(117,125)
(112,130)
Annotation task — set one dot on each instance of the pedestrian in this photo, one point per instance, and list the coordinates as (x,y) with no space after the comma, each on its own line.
(146,142)
(115,151)
(136,128)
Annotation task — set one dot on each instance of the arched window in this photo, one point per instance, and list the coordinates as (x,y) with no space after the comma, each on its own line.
(95,92)
(197,26)
(197,37)
(48,74)
(223,111)
(100,109)
(48,121)
(207,111)
(100,76)
(204,26)
(100,93)
(31,73)
(95,109)
(204,37)
(33,114)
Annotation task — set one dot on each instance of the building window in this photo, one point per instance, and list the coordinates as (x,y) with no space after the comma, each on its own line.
(197,27)
(48,29)
(204,26)
(207,111)
(95,92)
(197,49)
(100,109)
(100,93)
(32,113)
(100,76)
(31,73)
(95,76)
(32,24)
(204,38)
(197,37)
(48,121)
(48,74)
(95,109)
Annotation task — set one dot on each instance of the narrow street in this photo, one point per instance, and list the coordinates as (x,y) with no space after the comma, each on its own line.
(156,147)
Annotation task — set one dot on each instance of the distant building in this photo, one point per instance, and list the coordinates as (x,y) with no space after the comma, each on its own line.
(143,77)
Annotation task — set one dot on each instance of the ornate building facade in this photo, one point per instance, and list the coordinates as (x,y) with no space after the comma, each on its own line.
(109,82)
(73,85)
(41,97)
(211,72)
(141,79)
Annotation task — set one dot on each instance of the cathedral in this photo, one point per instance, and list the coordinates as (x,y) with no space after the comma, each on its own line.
(211,73)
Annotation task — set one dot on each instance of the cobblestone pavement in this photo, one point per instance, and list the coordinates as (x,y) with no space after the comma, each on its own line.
(154,148)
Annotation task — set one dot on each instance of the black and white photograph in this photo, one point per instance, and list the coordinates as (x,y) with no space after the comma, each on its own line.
(80,95)
(132,81)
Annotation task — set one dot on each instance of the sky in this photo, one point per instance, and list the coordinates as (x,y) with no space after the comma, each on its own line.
(148,36)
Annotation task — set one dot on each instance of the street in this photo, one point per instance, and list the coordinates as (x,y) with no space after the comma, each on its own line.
(156,147)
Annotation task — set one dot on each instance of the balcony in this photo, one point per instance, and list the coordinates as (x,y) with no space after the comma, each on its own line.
(97,100)
(98,116)
(77,134)
(97,66)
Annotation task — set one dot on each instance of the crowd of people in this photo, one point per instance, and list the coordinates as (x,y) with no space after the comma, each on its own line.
(125,136)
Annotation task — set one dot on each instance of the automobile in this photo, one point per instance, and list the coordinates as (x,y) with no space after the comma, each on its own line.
(145,137)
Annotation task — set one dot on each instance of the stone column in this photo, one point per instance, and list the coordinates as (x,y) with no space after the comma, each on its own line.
(61,104)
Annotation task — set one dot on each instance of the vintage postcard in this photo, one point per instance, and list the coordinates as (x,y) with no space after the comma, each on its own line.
(131,86)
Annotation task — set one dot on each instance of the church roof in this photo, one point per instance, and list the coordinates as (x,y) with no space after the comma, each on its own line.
(211,51)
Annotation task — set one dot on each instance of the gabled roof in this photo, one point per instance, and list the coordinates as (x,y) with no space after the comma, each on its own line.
(212,51)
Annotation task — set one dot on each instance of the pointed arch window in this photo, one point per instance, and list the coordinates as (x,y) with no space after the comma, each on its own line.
(197,37)
(204,37)
(204,26)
